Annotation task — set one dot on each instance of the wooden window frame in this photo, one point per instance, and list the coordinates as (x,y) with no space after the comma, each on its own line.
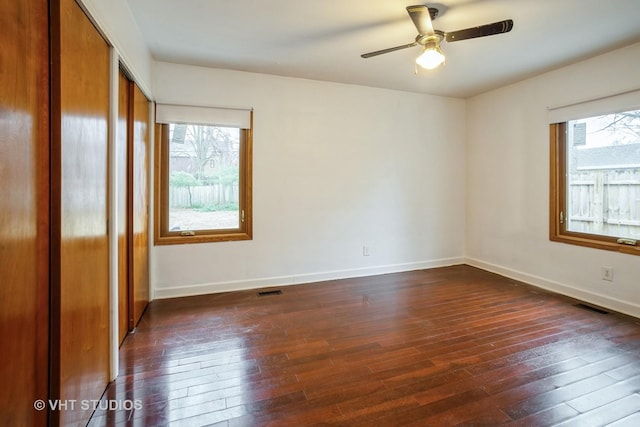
(162,235)
(558,201)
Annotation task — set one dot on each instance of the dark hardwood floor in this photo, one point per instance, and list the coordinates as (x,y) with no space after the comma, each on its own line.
(442,347)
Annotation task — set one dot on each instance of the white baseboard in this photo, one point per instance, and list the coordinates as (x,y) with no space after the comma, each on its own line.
(237,285)
(560,288)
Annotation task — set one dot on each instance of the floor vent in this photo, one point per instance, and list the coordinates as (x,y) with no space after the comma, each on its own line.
(268,293)
(591,308)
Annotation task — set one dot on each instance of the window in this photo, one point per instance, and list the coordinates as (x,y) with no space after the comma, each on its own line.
(203,175)
(595,179)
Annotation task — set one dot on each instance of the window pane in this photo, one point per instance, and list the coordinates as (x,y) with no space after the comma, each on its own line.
(203,177)
(603,175)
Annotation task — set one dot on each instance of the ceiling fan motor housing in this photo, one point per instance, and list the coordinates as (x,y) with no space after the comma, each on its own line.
(430,38)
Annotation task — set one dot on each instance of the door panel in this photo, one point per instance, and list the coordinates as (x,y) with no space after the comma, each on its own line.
(139,205)
(121,179)
(24,210)
(82,284)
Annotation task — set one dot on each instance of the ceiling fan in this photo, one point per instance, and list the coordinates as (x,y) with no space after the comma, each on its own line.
(432,56)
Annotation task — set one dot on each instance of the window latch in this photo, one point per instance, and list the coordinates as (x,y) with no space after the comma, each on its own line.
(242,215)
(630,242)
(187,233)
(561,217)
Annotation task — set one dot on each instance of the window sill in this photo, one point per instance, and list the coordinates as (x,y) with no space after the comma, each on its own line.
(177,239)
(587,240)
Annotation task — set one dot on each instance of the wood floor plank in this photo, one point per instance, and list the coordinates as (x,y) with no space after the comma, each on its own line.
(440,347)
(630,421)
(599,398)
(607,414)
(559,395)
(548,417)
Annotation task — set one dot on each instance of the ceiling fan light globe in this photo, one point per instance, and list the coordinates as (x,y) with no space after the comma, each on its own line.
(430,58)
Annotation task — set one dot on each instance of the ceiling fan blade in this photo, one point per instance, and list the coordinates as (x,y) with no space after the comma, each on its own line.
(481,31)
(421,19)
(391,49)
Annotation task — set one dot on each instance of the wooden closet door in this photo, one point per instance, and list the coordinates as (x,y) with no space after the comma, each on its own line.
(122,182)
(133,133)
(80,286)
(139,252)
(24,210)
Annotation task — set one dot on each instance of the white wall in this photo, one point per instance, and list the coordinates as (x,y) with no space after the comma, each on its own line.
(336,167)
(508,184)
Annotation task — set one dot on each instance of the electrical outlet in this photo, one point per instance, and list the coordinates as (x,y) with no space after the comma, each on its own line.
(607,274)
(365,250)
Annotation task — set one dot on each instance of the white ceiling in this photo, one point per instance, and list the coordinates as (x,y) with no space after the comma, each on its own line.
(323,39)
